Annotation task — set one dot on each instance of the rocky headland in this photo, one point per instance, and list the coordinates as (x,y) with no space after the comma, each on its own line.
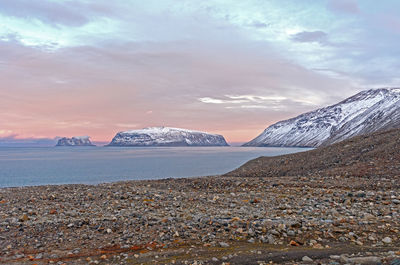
(75,141)
(166,136)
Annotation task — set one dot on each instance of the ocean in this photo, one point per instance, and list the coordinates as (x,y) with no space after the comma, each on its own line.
(20,166)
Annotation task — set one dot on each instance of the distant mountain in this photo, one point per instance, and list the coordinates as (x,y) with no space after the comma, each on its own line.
(165,136)
(75,141)
(365,112)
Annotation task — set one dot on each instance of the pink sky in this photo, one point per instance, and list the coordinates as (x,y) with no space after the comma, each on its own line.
(74,68)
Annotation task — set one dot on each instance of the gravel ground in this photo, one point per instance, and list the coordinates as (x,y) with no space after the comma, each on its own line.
(210,220)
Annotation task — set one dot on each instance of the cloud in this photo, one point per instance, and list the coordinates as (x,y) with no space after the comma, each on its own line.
(13,140)
(310,36)
(258,24)
(220,101)
(346,6)
(249,107)
(257,99)
(264,101)
(69,13)
(273,103)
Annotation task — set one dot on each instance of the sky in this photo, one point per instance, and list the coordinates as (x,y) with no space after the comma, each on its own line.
(97,67)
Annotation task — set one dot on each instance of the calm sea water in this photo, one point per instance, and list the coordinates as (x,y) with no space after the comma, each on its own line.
(91,165)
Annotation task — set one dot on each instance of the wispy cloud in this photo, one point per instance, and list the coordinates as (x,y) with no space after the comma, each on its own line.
(257,102)
(13,140)
(249,107)
(310,36)
(221,101)
(69,13)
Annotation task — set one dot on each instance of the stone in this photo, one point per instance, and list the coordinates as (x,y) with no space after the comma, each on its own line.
(223,244)
(307,259)
(24,218)
(274,232)
(387,240)
(365,260)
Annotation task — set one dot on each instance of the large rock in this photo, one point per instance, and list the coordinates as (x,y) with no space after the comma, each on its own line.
(165,136)
(75,141)
(365,112)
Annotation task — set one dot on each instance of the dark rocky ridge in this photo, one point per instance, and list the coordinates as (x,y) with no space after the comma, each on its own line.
(75,141)
(371,155)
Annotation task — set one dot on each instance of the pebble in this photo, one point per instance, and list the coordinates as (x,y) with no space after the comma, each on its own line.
(223,244)
(365,260)
(307,259)
(387,240)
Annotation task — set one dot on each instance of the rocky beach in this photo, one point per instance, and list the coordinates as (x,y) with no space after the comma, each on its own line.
(324,217)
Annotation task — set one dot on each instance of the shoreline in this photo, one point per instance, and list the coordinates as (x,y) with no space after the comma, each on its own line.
(105,183)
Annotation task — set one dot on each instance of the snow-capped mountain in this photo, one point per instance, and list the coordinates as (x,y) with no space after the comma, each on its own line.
(165,136)
(75,141)
(365,112)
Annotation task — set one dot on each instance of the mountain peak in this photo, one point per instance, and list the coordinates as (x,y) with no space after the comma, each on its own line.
(365,112)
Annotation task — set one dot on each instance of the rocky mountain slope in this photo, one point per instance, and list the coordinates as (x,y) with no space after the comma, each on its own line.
(365,112)
(165,136)
(370,155)
(75,141)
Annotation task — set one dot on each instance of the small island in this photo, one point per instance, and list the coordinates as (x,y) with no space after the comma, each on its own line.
(166,136)
(75,141)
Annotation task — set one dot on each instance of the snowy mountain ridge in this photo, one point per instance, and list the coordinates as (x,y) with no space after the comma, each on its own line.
(166,136)
(365,112)
(163,130)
